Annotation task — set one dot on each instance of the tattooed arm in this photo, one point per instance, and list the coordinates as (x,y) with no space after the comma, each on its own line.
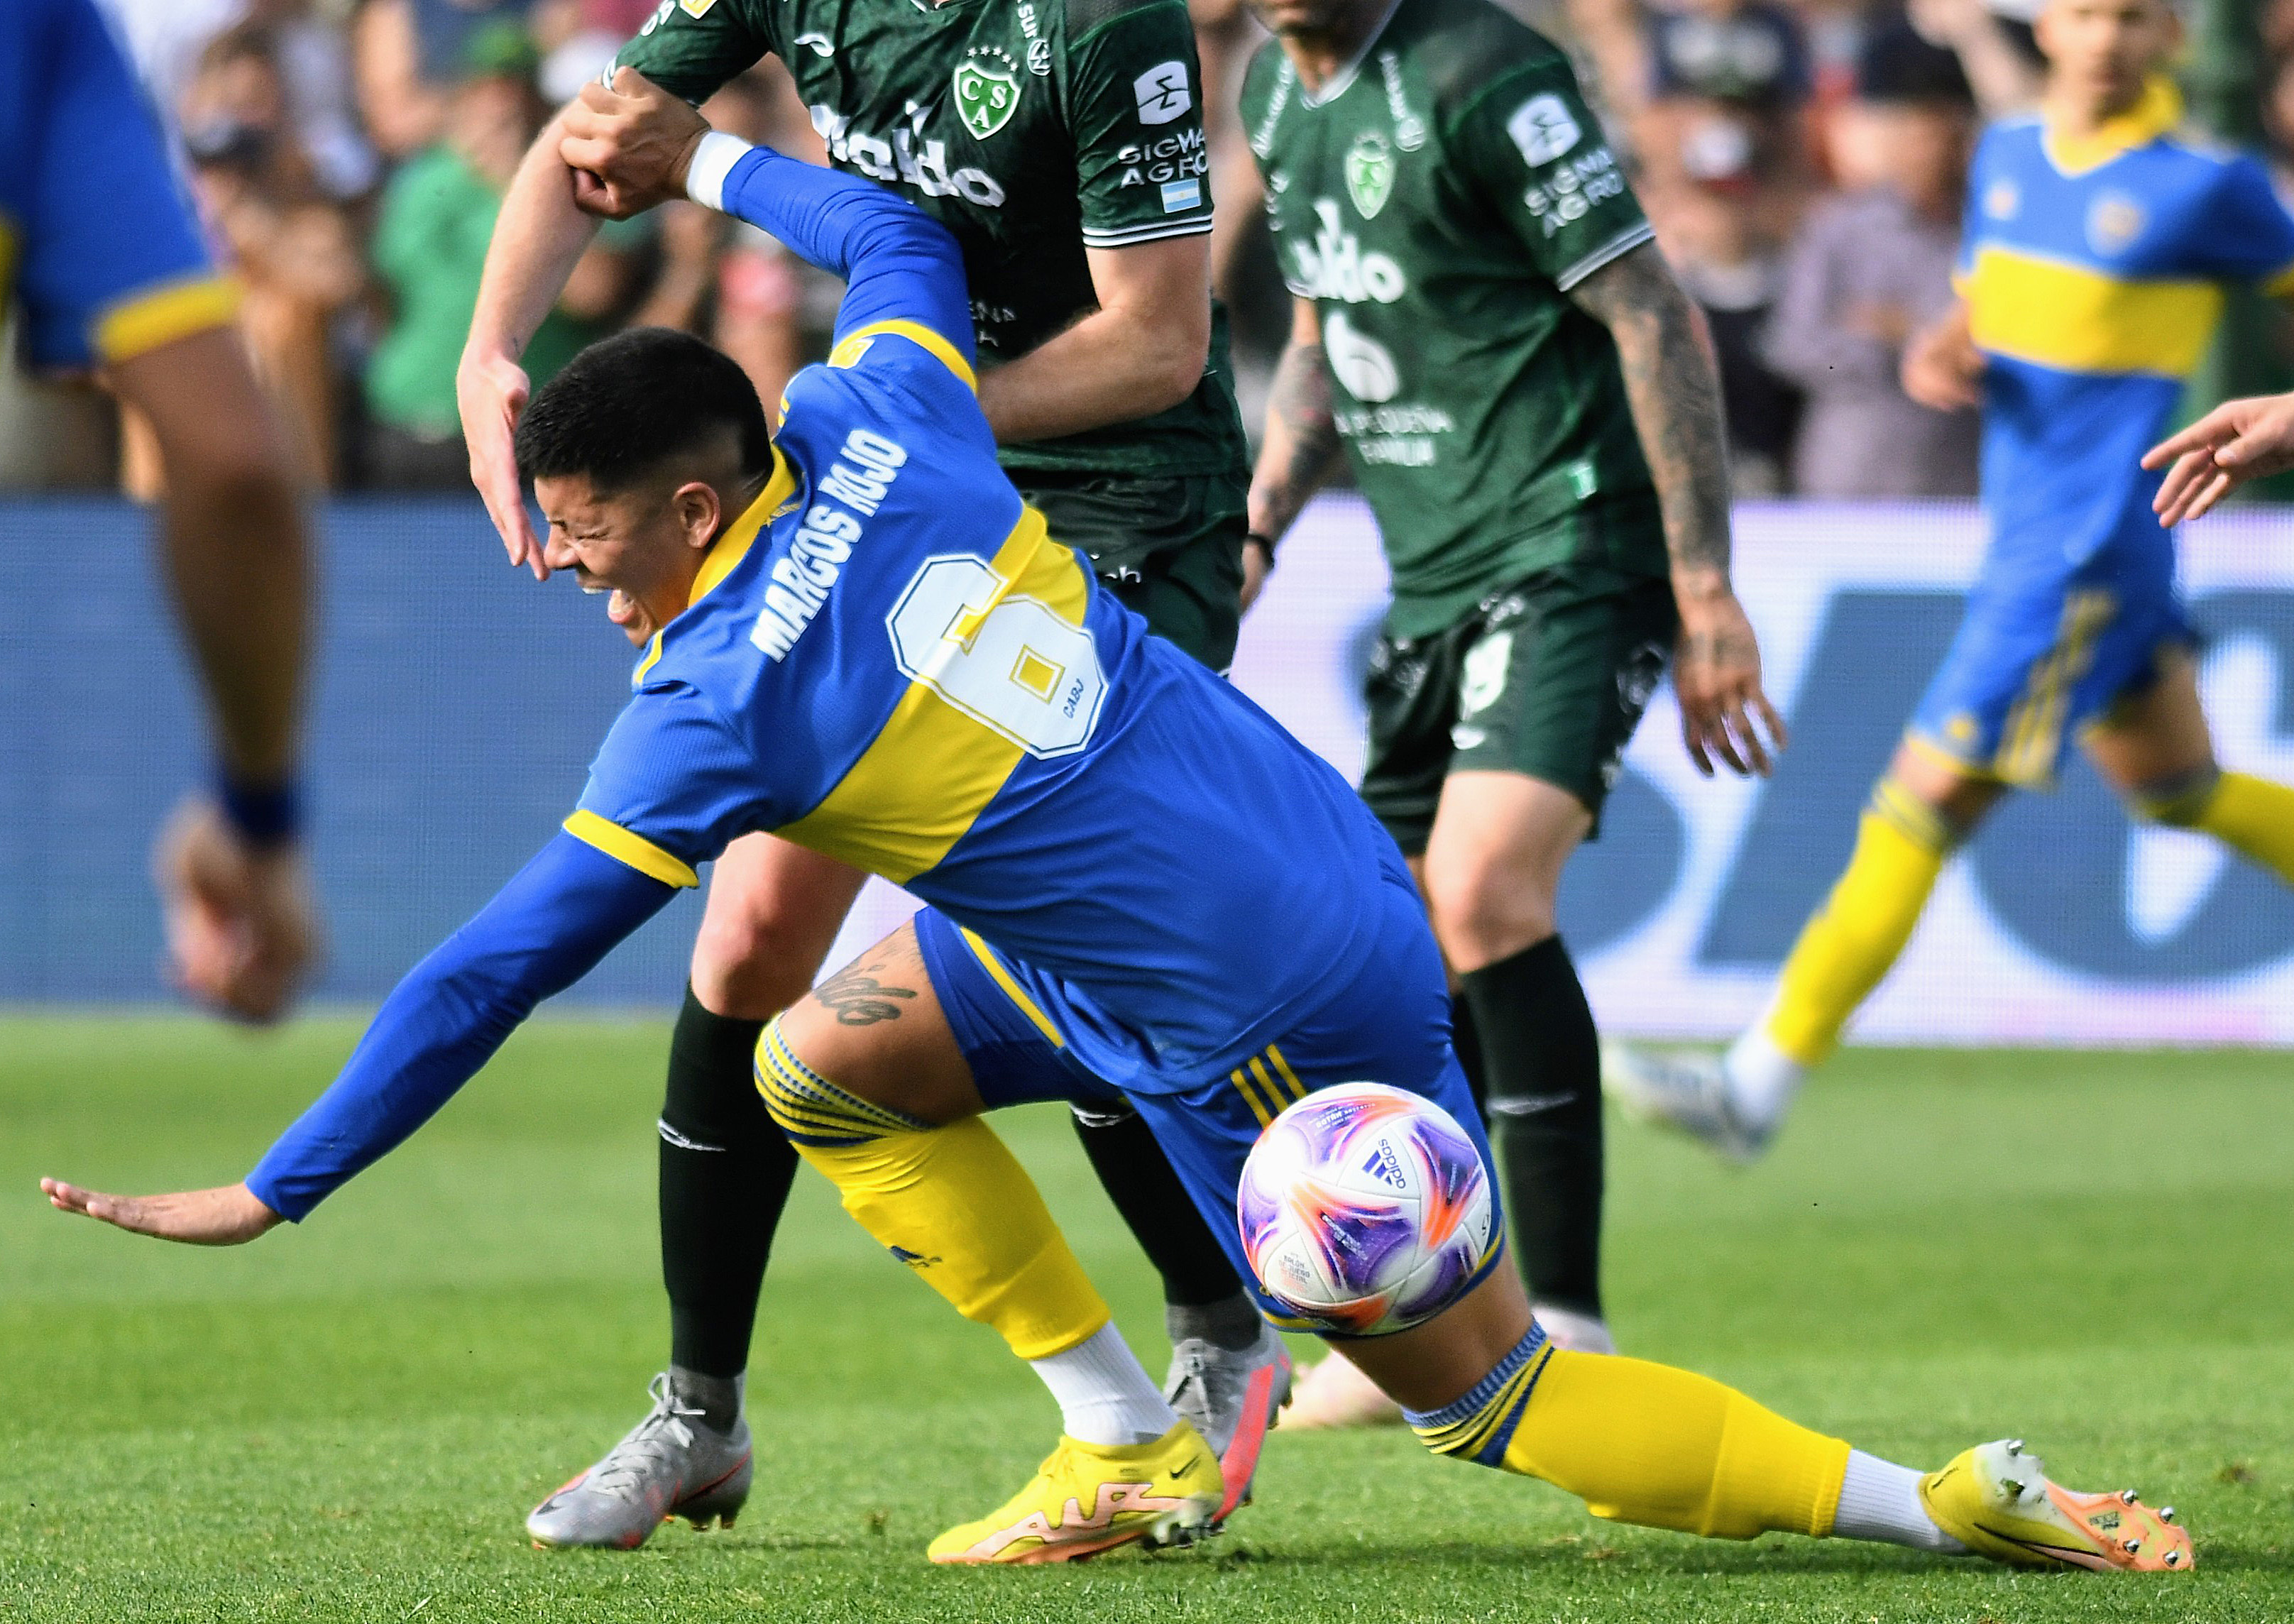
(1675,394)
(1300,447)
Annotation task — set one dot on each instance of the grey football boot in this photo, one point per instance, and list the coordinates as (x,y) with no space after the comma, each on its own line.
(1231,1398)
(671,1464)
(1686,1091)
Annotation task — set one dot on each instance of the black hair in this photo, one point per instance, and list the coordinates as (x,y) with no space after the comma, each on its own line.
(1897,64)
(633,400)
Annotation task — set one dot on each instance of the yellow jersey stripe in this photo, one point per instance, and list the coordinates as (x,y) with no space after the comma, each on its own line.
(1243,1087)
(916,333)
(627,845)
(2279,285)
(145,321)
(933,769)
(1012,990)
(730,547)
(2075,319)
(2160,110)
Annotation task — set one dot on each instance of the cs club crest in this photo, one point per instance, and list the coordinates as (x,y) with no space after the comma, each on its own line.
(1369,173)
(987,85)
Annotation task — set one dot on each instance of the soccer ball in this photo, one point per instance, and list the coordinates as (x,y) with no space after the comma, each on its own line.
(1365,1208)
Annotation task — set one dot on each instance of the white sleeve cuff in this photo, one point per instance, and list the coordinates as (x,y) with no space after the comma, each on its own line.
(713,161)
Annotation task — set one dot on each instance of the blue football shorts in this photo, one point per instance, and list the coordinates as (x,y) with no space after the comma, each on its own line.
(1387,1021)
(2044,649)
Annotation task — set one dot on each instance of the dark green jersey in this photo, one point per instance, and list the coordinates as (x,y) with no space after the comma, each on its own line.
(1032,129)
(1437,200)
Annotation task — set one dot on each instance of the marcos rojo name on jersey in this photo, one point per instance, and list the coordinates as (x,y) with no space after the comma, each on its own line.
(800,581)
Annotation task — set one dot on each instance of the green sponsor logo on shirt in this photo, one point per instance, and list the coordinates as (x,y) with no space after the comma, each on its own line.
(1369,173)
(987,95)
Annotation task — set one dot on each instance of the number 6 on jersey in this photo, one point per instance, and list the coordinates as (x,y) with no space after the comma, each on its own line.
(1011,663)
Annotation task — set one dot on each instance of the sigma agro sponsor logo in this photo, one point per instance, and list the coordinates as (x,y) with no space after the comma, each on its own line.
(1040,49)
(1333,266)
(1396,436)
(1360,362)
(1182,156)
(906,157)
(1262,138)
(1544,129)
(1409,128)
(798,583)
(987,87)
(1163,94)
(1569,193)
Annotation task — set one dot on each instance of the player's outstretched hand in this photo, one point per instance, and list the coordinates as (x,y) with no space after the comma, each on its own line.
(628,147)
(241,929)
(225,1217)
(1716,677)
(2236,441)
(490,391)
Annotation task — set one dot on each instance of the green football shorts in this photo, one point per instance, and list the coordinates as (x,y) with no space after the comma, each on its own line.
(1170,549)
(1548,676)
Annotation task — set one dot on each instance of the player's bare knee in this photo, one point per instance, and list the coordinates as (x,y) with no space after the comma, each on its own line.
(1485,911)
(747,972)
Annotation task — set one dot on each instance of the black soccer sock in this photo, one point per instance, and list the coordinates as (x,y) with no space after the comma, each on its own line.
(725,1174)
(1139,1179)
(1466,1044)
(1544,1112)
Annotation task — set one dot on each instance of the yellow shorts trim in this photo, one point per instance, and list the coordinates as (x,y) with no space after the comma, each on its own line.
(147,321)
(1012,990)
(626,845)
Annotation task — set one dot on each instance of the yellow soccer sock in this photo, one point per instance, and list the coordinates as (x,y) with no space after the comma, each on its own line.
(950,1202)
(2254,817)
(1852,940)
(1641,1442)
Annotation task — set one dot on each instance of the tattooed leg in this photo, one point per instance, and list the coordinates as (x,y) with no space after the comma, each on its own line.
(876,1030)
(885,1108)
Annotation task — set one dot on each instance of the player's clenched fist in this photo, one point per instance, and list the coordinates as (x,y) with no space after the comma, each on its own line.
(241,931)
(628,147)
(2236,441)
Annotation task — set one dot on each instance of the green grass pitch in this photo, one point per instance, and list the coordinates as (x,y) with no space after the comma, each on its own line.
(349,1420)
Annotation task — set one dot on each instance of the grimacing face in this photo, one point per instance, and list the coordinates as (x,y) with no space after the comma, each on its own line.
(635,543)
(2100,52)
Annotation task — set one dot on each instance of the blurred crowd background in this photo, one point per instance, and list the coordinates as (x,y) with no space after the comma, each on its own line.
(1803,161)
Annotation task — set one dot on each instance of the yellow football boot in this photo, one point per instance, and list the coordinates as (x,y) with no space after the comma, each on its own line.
(1089,1497)
(1995,1500)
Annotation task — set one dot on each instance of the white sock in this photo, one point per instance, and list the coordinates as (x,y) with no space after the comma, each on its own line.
(1103,1393)
(1880,1500)
(1761,1078)
(1565,1327)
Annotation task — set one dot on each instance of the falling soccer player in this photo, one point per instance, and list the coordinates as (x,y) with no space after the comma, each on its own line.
(2096,244)
(870,644)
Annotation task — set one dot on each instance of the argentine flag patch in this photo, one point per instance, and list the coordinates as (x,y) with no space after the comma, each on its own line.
(1179,196)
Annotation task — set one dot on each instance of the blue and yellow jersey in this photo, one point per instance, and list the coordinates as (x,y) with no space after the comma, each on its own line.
(97,240)
(889,660)
(2093,275)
